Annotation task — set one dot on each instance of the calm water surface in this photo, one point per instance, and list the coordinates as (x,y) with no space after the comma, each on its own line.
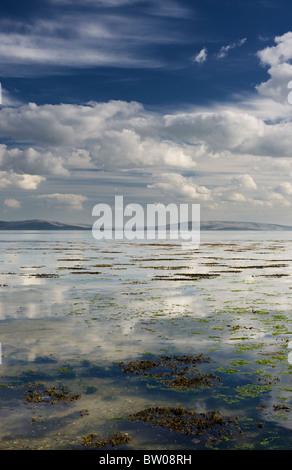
(73,309)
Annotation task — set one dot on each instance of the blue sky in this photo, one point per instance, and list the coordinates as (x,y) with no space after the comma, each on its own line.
(158,101)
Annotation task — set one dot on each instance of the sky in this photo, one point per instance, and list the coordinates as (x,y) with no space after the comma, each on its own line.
(160,101)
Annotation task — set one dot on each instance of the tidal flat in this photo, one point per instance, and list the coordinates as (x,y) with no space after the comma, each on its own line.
(145,345)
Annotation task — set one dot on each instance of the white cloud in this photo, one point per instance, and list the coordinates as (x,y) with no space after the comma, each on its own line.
(12,203)
(285,188)
(10,179)
(123,135)
(245,182)
(200,56)
(117,136)
(7,99)
(106,3)
(278,61)
(218,130)
(225,49)
(178,186)
(113,135)
(71,201)
(32,161)
(274,55)
(156,7)
(127,149)
(88,37)
(239,191)
(236,197)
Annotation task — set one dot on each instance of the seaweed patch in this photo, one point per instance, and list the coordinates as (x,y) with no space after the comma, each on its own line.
(37,393)
(177,372)
(97,440)
(182,421)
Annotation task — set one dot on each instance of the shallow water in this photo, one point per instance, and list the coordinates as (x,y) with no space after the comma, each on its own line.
(73,309)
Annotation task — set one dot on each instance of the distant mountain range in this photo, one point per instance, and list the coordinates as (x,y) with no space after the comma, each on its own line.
(223,225)
(37,224)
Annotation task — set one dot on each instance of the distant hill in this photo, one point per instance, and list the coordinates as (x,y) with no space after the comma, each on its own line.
(38,224)
(225,225)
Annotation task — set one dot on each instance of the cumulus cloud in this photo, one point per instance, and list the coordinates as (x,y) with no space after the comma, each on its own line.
(284,188)
(240,191)
(219,130)
(12,203)
(178,186)
(71,201)
(274,55)
(236,197)
(245,182)
(113,135)
(10,179)
(277,59)
(127,149)
(32,161)
(233,131)
(120,135)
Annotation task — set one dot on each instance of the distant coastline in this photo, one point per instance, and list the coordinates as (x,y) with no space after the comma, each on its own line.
(37,224)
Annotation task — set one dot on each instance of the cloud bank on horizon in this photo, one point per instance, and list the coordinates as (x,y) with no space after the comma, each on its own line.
(59,157)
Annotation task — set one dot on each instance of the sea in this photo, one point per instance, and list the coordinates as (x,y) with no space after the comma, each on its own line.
(139,345)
